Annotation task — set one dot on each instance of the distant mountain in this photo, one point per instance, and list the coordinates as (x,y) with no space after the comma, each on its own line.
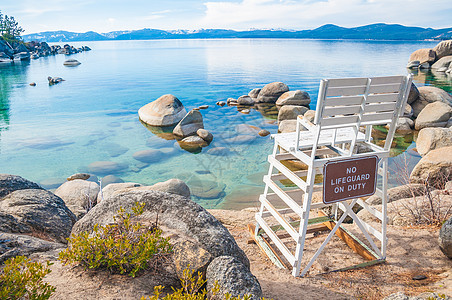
(379,31)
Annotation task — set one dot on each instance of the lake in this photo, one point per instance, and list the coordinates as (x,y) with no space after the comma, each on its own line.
(50,132)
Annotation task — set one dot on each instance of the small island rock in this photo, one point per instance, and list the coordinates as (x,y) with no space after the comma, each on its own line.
(271,92)
(189,124)
(294,98)
(165,111)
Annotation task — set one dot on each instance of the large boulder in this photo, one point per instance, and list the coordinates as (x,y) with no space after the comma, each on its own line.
(271,92)
(290,112)
(435,114)
(294,98)
(445,238)
(174,211)
(189,124)
(172,186)
(413,95)
(443,62)
(399,192)
(38,212)
(12,245)
(245,100)
(444,48)
(430,94)
(233,277)
(433,138)
(188,254)
(78,195)
(435,167)
(112,188)
(404,125)
(254,93)
(287,126)
(10,183)
(423,56)
(165,111)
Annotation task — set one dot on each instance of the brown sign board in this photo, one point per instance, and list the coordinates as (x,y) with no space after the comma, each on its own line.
(349,178)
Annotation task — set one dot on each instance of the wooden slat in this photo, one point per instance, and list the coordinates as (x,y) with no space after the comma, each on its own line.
(311,229)
(340,110)
(281,176)
(279,218)
(380,107)
(378,118)
(271,254)
(345,100)
(281,211)
(382,98)
(286,265)
(339,121)
(345,91)
(287,172)
(337,82)
(349,240)
(388,79)
(384,88)
(276,240)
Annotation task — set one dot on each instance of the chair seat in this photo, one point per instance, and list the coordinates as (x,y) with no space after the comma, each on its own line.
(343,135)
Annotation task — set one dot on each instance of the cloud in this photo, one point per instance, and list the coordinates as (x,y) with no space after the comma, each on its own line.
(302,14)
(156,15)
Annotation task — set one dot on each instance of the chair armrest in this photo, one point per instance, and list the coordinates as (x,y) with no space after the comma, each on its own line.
(306,123)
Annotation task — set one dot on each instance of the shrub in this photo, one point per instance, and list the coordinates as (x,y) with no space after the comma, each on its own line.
(192,290)
(22,279)
(122,247)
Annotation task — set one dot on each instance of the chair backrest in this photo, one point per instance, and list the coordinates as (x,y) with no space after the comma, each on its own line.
(349,102)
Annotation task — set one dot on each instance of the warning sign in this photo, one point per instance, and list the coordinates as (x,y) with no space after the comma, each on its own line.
(349,178)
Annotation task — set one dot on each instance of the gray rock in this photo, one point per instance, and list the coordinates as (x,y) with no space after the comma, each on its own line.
(423,56)
(404,125)
(271,92)
(112,188)
(397,296)
(175,212)
(82,176)
(264,132)
(434,167)
(71,63)
(192,142)
(444,48)
(443,62)
(413,64)
(287,126)
(231,101)
(290,112)
(189,124)
(148,156)
(425,65)
(10,183)
(78,195)
(245,100)
(172,186)
(246,129)
(294,98)
(435,114)
(445,238)
(39,212)
(399,192)
(408,111)
(432,138)
(233,277)
(12,245)
(165,111)
(430,94)
(106,167)
(219,151)
(240,139)
(221,103)
(413,95)
(254,93)
(54,80)
(205,135)
(205,106)
(109,179)
(309,115)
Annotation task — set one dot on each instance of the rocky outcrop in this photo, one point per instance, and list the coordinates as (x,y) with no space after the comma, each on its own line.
(413,95)
(294,98)
(399,192)
(436,114)
(190,255)
(404,125)
(433,138)
(172,186)
(443,49)
(205,135)
(173,211)
(37,212)
(10,183)
(189,124)
(286,126)
(245,100)
(435,167)
(430,94)
(423,56)
(71,63)
(445,238)
(233,277)
(254,93)
(290,112)
(165,111)
(442,63)
(271,92)
(78,195)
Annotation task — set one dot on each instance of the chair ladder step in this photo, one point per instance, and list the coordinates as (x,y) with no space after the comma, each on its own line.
(283,195)
(281,220)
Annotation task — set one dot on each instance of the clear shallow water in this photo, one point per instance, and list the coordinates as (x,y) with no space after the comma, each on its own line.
(50,132)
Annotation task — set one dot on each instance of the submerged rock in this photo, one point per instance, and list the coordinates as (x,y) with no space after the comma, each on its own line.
(165,111)
(148,156)
(106,167)
(71,63)
(54,80)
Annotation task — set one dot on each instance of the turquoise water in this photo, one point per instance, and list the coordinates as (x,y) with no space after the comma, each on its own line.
(50,132)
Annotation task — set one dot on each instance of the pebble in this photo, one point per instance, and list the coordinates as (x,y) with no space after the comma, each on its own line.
(203,107)
(33,84)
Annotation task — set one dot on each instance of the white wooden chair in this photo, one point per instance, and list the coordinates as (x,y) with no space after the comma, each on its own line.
(346,111)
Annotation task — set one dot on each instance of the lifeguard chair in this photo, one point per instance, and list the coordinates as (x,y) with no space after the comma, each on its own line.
(346,110)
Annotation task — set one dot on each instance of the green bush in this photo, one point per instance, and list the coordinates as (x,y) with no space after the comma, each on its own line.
(122,247)
(22,279)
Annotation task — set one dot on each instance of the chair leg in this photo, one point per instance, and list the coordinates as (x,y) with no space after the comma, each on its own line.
(304,221)
(384,206)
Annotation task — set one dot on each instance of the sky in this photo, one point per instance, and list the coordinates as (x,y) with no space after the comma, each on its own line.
(111,15)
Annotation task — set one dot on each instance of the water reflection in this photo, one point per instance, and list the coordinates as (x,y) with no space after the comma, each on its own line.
(433,77)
